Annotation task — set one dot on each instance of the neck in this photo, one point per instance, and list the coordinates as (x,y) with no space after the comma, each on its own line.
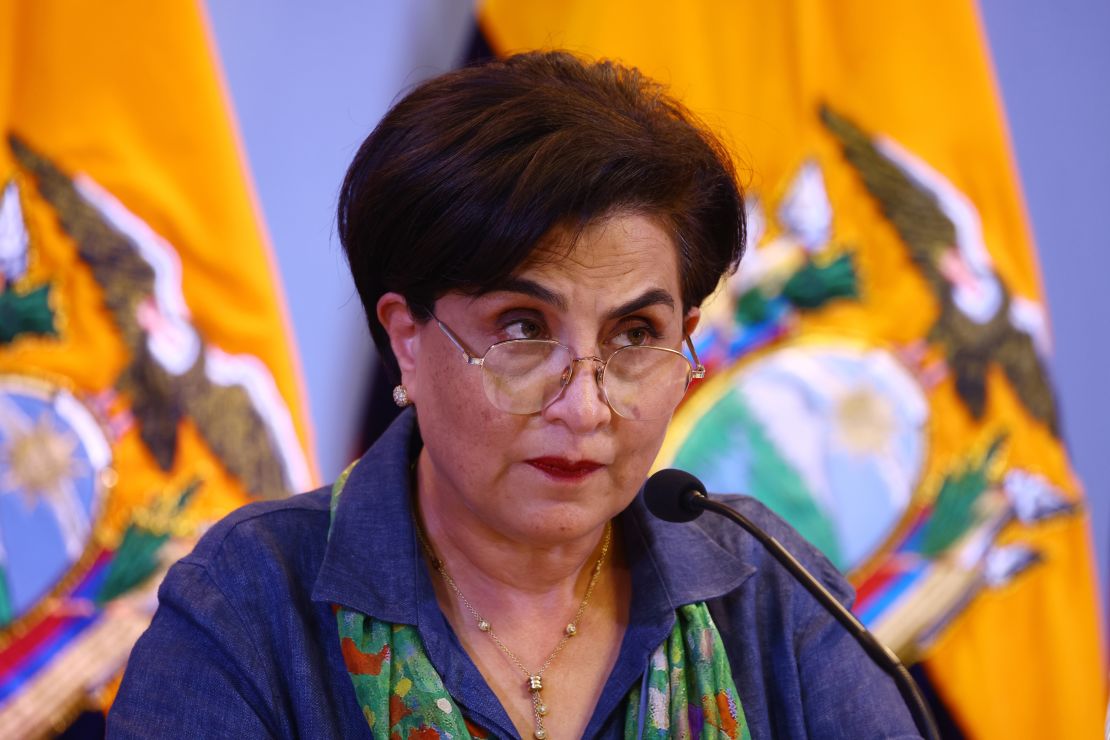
(510,601)
(490,563)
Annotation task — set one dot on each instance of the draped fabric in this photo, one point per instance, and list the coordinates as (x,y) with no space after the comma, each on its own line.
(148,382)
(879,365)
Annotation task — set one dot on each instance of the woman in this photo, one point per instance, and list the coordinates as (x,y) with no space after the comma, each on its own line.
(531,240)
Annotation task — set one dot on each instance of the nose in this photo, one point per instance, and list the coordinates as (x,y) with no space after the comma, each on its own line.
(581,405)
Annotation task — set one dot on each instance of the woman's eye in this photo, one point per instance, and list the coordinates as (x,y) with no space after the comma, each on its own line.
(524,329)
(635,336)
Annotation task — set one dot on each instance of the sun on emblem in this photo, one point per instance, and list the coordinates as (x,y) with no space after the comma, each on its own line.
(53,461)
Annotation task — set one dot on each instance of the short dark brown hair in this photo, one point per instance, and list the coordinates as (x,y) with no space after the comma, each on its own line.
(462,179)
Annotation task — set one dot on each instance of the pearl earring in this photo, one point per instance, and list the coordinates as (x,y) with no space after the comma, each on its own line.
(401,396)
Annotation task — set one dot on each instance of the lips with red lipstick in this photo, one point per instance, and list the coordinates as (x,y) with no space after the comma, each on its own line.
(563,469)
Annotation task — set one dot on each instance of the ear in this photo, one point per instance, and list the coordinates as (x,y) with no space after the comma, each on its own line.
(404,336)
(690,322)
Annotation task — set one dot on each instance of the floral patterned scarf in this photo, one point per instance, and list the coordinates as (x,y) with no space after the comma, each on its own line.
(687,690)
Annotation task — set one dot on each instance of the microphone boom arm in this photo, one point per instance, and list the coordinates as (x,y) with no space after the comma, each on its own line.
(880,653)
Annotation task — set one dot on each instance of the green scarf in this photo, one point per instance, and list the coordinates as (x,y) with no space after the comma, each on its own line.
(689,688)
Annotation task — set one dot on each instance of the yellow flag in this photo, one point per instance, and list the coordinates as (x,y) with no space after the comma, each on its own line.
(878,366)
(148,383)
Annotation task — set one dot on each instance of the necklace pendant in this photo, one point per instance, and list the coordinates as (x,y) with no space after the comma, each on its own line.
(534,681)
(540,710)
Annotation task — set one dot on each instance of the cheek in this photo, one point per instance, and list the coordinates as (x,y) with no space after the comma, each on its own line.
(458,423)
(467,414)
(446,388)
(640,443)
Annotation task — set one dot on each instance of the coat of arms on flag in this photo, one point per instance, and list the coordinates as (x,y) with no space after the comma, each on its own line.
(831,428)
(878,364)
(147,382)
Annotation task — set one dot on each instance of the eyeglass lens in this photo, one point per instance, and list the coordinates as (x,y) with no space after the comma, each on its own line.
(525,376)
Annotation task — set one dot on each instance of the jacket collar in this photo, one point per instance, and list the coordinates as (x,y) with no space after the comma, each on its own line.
(372,562)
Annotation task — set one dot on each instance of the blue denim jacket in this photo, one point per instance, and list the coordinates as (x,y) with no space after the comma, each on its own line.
(244,642)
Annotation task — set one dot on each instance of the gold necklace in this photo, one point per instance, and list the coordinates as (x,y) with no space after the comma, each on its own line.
(533,681)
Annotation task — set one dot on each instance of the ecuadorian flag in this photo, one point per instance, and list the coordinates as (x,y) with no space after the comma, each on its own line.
(148,383)
(879,364)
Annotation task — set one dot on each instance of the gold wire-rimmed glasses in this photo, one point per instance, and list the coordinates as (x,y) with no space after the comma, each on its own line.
(640,382)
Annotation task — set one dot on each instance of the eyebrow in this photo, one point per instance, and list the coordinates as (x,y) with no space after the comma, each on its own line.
(653,297)
(533,289)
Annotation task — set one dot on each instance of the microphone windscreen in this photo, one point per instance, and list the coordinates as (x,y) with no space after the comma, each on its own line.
(665,495)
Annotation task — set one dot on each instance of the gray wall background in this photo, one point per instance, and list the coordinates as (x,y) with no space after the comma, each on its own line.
(308,83)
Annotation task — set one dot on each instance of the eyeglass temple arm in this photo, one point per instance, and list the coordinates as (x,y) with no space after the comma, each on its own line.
(467,354)
(699,369)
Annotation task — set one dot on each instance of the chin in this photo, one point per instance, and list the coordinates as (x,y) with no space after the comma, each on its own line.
(553,522)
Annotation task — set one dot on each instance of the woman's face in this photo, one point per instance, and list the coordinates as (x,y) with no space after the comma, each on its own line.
(560,473)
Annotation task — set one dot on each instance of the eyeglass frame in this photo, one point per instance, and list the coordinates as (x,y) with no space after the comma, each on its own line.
(697,370)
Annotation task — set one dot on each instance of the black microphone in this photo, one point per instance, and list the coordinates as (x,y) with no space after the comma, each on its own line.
(676,496)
